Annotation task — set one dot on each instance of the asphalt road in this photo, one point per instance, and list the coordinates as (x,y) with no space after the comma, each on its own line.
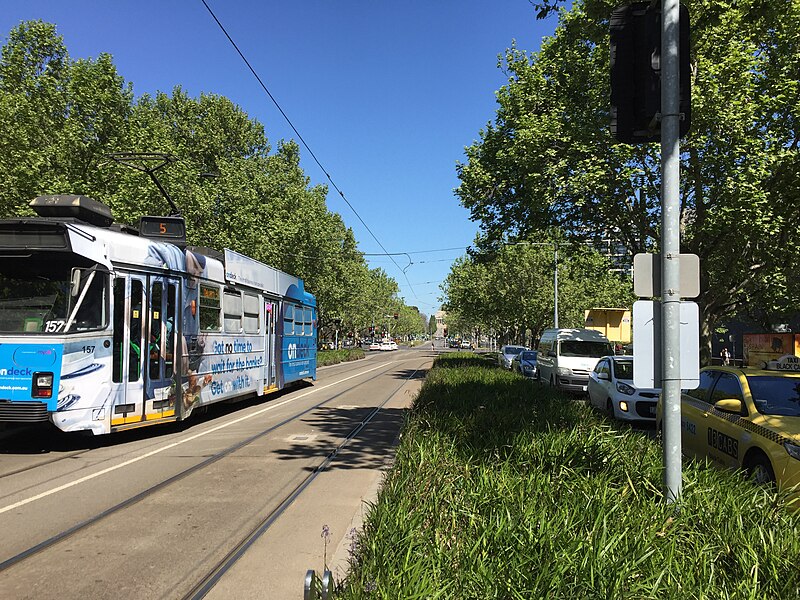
(235,503)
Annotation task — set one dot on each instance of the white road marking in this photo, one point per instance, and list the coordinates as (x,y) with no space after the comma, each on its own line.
(61,488)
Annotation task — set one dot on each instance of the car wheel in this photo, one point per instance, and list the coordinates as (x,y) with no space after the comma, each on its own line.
(609,408)
(759,469)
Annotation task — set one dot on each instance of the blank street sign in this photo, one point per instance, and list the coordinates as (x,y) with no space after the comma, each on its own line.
(647,275)
(647,344)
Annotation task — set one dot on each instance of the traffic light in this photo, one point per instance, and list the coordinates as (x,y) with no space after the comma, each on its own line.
(636,72)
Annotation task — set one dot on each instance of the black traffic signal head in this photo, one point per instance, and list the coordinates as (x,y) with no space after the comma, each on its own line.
(636,72)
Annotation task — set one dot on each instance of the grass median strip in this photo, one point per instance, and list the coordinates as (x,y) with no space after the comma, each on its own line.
(332,357)
(505,489)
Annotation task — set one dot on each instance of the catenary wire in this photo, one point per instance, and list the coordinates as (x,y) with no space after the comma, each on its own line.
(302,140)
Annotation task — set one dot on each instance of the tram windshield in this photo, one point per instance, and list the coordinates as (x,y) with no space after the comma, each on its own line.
(46,294)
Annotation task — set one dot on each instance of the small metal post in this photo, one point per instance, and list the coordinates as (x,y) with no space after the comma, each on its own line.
(327,585)
(310,588)
(555,285)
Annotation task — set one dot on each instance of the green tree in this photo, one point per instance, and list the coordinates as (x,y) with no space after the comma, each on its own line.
(548,159)
(59,117)
(432,325)
(512,290)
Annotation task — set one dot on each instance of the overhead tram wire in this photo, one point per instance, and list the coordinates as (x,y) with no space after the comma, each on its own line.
(419,251)
(302,140)
(388,254)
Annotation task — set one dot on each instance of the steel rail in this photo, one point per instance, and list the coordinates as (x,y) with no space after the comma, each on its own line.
(67,533)
(205,585)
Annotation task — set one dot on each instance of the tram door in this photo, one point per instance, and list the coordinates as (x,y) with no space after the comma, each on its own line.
(269,326)
(127,356)
(160,367)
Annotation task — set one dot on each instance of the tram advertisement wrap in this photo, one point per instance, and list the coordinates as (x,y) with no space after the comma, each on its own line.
(18,365)
(84,375)
(234,365)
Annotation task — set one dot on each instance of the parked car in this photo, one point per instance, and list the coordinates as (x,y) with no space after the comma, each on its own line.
(375,346)
(507,354)
(746,419)
(611,389)
(524,363)
(567,356)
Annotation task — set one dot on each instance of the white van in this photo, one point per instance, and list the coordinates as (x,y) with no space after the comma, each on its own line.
(567,356)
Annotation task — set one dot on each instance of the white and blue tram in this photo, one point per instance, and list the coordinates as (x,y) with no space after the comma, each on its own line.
(106,327)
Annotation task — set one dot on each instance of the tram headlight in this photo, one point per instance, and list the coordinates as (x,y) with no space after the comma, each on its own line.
(42,385)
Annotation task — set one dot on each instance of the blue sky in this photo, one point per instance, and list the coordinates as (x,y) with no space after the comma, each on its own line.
(386,94)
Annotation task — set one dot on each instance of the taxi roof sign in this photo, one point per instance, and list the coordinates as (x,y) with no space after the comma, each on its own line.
(787,362)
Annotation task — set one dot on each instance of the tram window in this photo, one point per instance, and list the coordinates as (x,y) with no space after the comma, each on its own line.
(209,307)
(307,322)
(251,316)
(135,346)
(232,310)
(91,313)
(169,364)
(119,328)
(298,320)
(156,317)
(288,320)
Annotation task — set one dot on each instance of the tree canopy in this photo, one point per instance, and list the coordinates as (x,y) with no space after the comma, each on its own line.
(63,117)
(512,291)
(548,161)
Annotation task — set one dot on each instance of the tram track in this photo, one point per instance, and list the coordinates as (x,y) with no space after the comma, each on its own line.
(45,463)
(206,584)
(224,565)
(78,453)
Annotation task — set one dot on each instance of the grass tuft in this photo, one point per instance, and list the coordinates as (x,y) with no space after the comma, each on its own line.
(506,489)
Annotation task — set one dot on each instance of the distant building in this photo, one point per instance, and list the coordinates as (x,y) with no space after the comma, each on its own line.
(618,254)
(441,324)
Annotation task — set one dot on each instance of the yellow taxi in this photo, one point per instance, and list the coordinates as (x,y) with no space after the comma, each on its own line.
(746,419)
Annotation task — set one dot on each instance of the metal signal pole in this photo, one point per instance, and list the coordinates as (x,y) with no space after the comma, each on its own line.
(670,247)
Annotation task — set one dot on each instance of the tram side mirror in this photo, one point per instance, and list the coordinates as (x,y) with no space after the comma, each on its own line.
(75,284)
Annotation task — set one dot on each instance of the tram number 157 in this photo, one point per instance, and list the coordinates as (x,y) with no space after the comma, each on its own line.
(54,326)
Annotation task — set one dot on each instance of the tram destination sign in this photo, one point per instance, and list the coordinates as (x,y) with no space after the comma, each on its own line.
(168,229)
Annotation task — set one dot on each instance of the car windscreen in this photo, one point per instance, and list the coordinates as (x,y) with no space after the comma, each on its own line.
(513,350)
(528,355)
(588,349)
(623,369)
(778,396)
